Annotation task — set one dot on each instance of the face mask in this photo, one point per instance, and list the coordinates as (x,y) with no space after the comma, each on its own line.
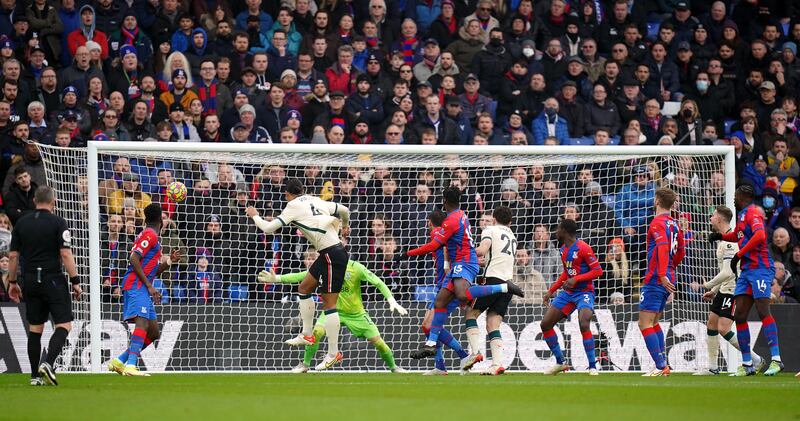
(550,111)
(495,42)
(528,52)
(702,85)
(687,113)
(769,202)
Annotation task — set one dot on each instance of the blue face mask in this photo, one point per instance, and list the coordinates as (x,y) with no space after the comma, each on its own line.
(768,202)
(702,85)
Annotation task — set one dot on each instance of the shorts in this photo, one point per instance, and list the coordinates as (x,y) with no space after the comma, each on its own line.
(497,303)
(329,268)
(47,298)
(467,271)
(755,282)
(568,302)
(360,325)
(653,298)
(723,306)
(137,303)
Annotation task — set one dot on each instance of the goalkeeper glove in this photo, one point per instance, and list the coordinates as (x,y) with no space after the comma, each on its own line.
(394,306)
(735,263)
(268,277)
(714,237)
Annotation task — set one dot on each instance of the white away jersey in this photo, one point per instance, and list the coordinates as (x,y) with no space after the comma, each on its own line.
(500,261)
(315,218)
(725,252)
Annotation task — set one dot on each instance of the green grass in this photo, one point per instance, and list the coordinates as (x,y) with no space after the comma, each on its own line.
(410,397)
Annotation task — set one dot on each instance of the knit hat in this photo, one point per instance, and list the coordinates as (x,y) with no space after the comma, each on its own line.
(510,184)
(790,46)
(293,114)
(247,108)
(127,49)
(179,72)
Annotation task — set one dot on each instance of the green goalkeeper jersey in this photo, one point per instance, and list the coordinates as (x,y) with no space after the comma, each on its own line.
(350,297)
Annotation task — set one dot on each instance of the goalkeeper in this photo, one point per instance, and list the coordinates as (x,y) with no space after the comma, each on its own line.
(350,308)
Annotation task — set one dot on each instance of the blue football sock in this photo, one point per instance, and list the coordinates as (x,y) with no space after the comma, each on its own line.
(771,332)
(477,291)
(124,356)
(743,336)
(439,358)
(137,344)
(653,346)
(662,343)
(439,318)
(588,346)
(552,341)
(446,338)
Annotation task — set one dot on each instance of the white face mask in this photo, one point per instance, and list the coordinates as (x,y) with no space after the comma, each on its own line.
(528,52)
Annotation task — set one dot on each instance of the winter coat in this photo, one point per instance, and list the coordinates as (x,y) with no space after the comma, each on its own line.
(465,48)
(602,116)
(489,65)
(540,132)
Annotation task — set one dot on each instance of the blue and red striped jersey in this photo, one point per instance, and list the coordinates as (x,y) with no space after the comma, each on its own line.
(455,234)
(665,249)
(438,256)
(749,221)
(578,259)
(148,247)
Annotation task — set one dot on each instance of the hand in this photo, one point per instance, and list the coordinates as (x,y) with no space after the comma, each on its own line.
(175,255)
(266,277)
(714,237)
(630,231)
(735,263)
(345,232)
(666,95)
(780,78)
(569,283)
(76,292)
(251,212)
(107,282)
(399,258)
(671,297)
(780,156)
(546,298)
(154,294)
(14,292)
(282,51)
(695,286)
(708,296)
(668,285)
(397,308)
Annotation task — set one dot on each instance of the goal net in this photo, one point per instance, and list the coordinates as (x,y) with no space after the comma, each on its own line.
(215,316)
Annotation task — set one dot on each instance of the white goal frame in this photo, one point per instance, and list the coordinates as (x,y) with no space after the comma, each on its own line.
(95,148)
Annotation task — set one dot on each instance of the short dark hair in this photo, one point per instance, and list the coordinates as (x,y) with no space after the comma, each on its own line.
(503,215)
(436,217)
(19,171)
(666,197)
(152,213)
(725,212)
(294,186)
(452,196)
(44,194)
(569,226)
(746,189)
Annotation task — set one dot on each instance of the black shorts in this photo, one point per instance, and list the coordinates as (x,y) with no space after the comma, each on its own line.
(723,306)
(329,268)
(47,298)
(497,303)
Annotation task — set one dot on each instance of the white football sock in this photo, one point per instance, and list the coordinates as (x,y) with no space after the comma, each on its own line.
(496,346)
(332,332)
(713,351)
(474,339)
(307,309)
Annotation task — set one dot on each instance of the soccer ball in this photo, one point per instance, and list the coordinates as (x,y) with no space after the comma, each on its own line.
(176,191)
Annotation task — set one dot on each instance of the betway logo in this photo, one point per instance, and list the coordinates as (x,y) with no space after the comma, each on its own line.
(115,341)
(689,351)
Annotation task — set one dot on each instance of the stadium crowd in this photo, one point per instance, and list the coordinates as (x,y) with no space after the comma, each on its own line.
(416,72)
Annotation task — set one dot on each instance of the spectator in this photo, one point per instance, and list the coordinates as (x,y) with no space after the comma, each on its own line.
(87,32)
(550,123)
(18,198)
(131,189)
(528,278)
(600,112)
(470,41)
(781,247)
(633,207)
(784,166)
(472,102)
(491,63)
(616,272)
(545,258)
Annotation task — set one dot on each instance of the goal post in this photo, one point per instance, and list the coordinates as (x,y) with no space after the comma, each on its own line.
(243,328)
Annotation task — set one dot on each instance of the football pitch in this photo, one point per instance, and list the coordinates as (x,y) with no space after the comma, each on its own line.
(400,396)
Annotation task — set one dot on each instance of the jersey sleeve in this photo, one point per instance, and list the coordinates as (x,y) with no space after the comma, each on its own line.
(729,250)
(64,236)
(436,242)
(589,257)
(146,242)
(754,219)
(486,234)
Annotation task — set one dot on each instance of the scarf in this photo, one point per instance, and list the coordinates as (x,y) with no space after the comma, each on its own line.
(431,63)
(472,98)
(361,141)
(372,42)
(208,96)
(408,50)
(88,31)
(128,37)
(345,36)
(185,131)
(484,23)
(557,19)
(451,25)
(653,122)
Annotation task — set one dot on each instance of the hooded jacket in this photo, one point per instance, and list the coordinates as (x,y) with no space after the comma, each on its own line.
(82,35)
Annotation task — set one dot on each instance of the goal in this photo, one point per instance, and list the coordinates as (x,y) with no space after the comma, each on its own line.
(215,316)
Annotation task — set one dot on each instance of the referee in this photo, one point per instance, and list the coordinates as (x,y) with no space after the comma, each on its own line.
(43,241)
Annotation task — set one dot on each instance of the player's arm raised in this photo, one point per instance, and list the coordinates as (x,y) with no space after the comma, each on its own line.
(167,261)
(375,281)
(268,227)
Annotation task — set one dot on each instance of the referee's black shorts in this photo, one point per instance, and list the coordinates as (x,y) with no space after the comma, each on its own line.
(497,303)
(329,268)
(50,297)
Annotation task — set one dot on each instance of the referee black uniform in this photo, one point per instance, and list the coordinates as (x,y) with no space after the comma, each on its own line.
(38,239)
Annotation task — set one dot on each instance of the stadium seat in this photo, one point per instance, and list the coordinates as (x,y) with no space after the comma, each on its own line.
(425,293)
(493,110)
(728,125)
(180,293)
(238,293)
